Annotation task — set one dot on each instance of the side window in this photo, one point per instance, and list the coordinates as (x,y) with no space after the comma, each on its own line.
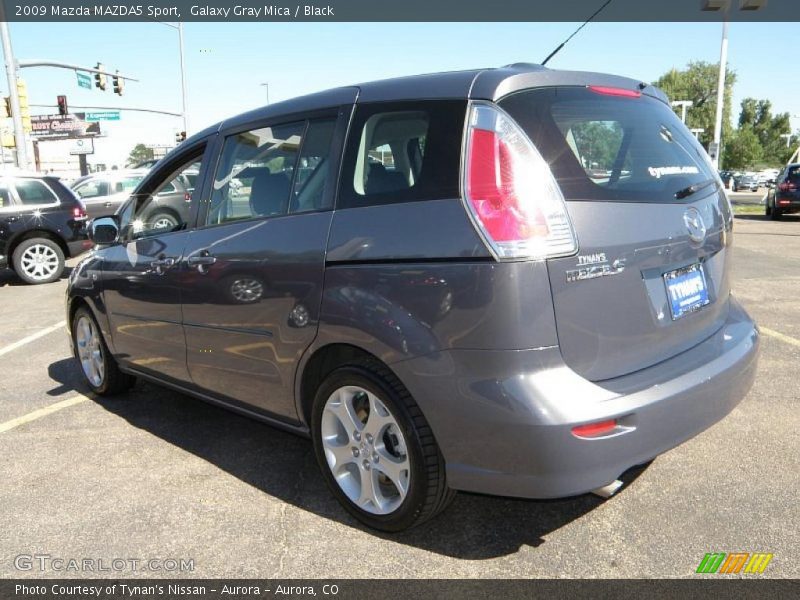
(5,198)
(403,152)
(94,188)
(168,207)
(308,192)
(34,192)
(255,174)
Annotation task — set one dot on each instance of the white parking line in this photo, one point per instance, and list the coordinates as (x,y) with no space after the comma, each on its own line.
(32,337)
(787,339)
(42,412)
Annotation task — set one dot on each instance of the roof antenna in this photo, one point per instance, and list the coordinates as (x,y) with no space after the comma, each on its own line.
(574,33)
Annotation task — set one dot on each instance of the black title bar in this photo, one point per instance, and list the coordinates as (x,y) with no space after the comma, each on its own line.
(402,10)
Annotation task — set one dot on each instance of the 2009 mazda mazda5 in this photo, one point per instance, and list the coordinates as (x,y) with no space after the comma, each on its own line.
(511,281)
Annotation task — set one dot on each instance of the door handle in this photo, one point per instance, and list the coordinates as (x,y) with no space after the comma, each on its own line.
(201,261)
(162,263)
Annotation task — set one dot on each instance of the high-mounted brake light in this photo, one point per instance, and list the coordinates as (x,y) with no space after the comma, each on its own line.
(510,192)
(612,91)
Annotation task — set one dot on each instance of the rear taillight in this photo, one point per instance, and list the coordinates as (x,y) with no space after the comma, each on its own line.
(78,213)
(787,186)
(510,191)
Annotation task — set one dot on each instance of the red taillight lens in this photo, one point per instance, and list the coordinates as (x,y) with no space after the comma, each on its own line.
(612,91)
(78,213)
(595,429)
(510,192)
(787,186)
(187,197)
(493,194)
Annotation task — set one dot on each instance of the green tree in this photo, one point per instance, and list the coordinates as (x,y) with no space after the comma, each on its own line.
(698,83)
(757,114)
(140,153)
(743,150)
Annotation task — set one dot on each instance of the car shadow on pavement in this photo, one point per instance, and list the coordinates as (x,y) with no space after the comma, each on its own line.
(281,464)
(10,278)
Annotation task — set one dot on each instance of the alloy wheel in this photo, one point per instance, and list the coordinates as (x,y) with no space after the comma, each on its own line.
(90,351)
(39,262)
(365,450)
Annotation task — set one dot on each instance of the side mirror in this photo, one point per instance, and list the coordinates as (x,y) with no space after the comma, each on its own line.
(104,230)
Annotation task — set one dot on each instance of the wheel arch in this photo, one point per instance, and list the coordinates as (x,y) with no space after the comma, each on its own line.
(319,364)
(36,233)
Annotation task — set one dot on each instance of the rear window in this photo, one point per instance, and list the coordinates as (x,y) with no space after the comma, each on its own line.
(603,147)
(793,174)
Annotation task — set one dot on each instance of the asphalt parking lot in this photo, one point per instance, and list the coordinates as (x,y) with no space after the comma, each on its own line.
(159,475)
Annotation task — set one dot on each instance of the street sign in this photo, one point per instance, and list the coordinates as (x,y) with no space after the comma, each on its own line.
(84,80)
(62,127)
(108,115)
(82,146)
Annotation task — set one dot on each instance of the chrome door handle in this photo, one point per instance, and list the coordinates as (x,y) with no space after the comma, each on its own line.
(160,264)
(201,261)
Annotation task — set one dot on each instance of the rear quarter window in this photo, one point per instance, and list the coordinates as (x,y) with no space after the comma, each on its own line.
(612,148)
(34,192)
(402,152)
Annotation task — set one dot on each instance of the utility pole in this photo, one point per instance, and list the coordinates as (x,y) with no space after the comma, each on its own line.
(11,71)
(183,79)
(723,66)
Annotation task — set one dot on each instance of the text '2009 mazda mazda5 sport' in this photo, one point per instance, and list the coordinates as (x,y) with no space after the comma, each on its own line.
(512,281)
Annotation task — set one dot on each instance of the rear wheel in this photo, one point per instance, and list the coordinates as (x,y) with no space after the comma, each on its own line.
(776,214)
(100,369)
(768,209)
(38,260)
(376,450)
(164,221)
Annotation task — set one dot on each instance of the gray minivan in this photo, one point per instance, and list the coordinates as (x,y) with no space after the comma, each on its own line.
(511,281)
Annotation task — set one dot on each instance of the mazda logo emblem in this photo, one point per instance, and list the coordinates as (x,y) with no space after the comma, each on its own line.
(694,225)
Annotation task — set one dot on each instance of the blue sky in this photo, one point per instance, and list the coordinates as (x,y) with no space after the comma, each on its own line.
(227,62)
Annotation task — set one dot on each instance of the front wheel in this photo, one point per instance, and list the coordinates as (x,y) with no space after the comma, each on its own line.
(100,370)
(376,450)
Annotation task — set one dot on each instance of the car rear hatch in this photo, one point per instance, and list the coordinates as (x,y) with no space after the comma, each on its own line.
(650,278)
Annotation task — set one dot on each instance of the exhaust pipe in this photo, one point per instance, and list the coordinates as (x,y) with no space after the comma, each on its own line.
(608,490)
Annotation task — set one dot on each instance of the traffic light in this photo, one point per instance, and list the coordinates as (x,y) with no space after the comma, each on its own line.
(180,136)
(7,107)
(100,78)
(119,84)
(24,108)
(63,109)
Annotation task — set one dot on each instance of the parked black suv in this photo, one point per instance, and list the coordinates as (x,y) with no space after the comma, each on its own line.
(42,223)
(510,281)
(784,198)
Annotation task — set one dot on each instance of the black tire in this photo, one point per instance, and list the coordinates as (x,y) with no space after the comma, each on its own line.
(27,272)
(776,214)
(164,217)
(113,381)
(768,208)
(428,493)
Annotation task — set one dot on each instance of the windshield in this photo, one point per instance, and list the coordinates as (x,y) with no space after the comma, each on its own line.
(615,148)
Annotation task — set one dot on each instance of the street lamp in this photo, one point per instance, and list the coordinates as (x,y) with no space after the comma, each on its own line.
(788,137)
(684,104)
(179,28)
(266,86)
(697,131)
(724,5)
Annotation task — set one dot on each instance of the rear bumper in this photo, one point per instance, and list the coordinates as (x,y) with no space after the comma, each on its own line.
(504,419)
(77,247)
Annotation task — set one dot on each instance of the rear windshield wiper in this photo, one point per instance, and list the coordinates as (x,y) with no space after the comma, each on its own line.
(696,187)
